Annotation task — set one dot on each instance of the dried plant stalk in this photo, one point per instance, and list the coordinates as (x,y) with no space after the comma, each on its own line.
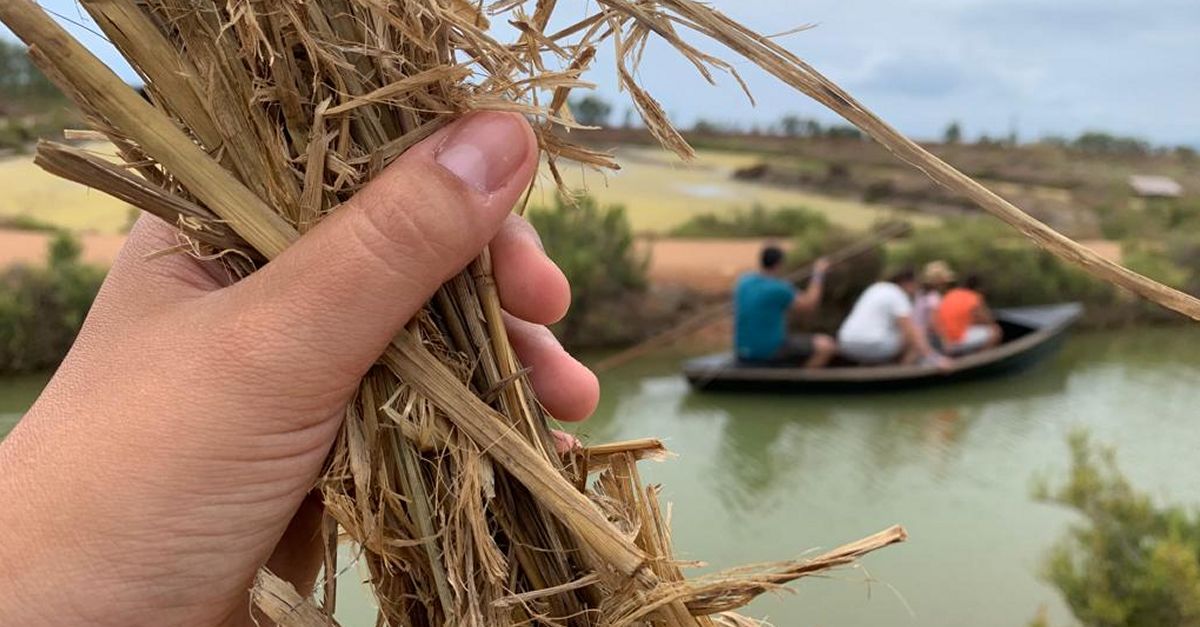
(266,115)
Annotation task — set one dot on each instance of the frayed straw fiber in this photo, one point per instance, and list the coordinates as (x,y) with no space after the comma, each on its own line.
(266,115)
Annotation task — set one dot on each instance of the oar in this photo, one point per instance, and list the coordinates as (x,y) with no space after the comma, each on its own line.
(717,313)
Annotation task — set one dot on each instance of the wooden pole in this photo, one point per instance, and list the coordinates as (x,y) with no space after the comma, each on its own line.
(717,313)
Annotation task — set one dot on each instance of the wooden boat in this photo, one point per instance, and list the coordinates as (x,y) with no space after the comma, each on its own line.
(1030,335)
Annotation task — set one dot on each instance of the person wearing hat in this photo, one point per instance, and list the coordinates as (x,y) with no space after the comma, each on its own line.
(936,279)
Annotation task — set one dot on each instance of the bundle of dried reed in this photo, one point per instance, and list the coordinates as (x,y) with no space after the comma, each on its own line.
(266,115)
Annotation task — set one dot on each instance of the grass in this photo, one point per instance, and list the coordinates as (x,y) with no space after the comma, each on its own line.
(31,194)
(661,193)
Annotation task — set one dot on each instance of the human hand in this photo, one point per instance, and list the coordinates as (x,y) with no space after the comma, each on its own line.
(821,267)
(943,363)
(174,452)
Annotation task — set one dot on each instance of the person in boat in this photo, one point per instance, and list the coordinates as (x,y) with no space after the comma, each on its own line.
(964,321)
(881,329)
(936,279)
(762,302)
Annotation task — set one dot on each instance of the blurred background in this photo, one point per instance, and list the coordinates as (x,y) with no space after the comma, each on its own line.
(1063,495)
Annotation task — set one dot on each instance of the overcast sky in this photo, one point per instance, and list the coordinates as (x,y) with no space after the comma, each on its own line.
(1043,66)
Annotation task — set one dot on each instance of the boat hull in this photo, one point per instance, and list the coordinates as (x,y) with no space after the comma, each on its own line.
(1032,334)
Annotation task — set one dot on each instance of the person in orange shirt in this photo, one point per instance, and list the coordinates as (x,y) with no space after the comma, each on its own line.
(964,321)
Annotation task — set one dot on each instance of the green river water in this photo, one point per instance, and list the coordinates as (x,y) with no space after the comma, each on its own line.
(762,478)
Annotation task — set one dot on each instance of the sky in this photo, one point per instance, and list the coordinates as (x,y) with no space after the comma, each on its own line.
(1040,67)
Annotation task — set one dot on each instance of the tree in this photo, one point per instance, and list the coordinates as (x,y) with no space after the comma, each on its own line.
(1099,142)
(591,110)
(953,134)
(19,77)
(843,131)
(791,125)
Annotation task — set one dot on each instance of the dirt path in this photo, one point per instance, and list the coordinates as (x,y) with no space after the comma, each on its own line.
(706,265)
(1106,248)
(28,247)
(712,265)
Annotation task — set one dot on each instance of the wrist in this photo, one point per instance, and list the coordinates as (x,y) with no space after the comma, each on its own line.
(38,565)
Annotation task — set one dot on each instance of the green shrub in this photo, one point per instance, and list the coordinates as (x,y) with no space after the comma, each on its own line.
(847,280)
(595,248)
(26,223)
(1174,260)
(1129,562)
(1014,271)
(42,309)
(1157,218)
(757,222)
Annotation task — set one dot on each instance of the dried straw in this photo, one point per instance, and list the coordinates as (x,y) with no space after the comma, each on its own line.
(266,115)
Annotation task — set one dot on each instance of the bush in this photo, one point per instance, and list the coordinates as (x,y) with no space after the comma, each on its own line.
(879,191)
(42,309)
(757,222)
(1014,271)
(1174,260)
(1161,240)
(1129,563)
(595,248)
(26,223)
(847,280)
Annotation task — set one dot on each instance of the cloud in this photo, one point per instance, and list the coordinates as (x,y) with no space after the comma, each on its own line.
(915,76)
(1057,66)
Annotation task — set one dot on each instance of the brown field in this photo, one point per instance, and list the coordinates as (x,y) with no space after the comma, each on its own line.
(660,192)
(29,248)
(705,265)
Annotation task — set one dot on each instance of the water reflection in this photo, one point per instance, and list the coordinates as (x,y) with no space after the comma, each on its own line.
(772,443)
(761,477)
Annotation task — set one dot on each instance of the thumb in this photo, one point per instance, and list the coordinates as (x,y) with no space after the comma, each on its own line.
(343,291)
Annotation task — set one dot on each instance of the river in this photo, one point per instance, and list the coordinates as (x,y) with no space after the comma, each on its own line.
(761,478)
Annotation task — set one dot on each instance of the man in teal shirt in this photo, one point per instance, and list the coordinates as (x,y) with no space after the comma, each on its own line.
(762,302)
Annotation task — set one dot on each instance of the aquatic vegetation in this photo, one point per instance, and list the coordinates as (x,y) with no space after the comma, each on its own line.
(1129,562)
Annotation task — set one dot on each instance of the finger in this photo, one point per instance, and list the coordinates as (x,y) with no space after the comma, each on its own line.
(531,286)
(346,288)
(565,442)
(566,388)
(298,556)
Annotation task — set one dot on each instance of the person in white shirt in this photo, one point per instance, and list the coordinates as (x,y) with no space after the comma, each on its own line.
(880,328)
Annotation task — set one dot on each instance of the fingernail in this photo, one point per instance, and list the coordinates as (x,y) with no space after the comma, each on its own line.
(485,150)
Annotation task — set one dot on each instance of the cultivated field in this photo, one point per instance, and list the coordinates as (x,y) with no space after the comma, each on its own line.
(25,190)
(660,192)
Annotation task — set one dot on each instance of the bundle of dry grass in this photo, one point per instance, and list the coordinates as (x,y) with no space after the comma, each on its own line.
(266,115)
